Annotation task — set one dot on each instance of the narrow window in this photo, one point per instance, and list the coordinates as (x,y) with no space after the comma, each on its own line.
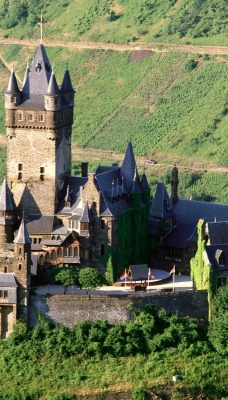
(20,167)
(102,249)
(65,252)
(30,117)
(102,224)
(19,267)
(20,117)
(70,252)
(5,270)
(42,260)
(41,118)
(42,170)
(59,252)
(76,252)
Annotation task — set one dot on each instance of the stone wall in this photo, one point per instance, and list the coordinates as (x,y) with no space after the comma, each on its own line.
(69,310)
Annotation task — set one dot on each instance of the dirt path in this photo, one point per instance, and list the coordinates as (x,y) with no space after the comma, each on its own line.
(182,163)
(156,47)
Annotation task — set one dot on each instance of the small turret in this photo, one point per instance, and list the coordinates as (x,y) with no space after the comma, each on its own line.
(6,215)
(135,193)
(52,100)
(145,189)
(67,89)
(12,93)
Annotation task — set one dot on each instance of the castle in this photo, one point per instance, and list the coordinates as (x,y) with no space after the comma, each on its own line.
(106,218)
(48,217)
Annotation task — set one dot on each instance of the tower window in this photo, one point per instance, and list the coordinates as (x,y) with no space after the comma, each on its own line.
(30,117)
(20,167)
(19,267)
(41,118)
(5,270)
(20,117)
(102,224)
(42,173)
(19,175)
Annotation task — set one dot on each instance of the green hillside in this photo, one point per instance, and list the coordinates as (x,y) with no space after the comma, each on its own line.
(119,21)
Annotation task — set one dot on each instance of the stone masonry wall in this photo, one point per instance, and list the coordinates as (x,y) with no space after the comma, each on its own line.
(69,310)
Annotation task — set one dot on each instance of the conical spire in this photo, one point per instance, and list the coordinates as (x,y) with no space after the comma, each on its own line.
(38,77)
(85,215)
(128,167)
(135,185)
(53,89)
(67,198)
(66,86)
(12,87)
(144,182)
(22,236)
(26,76)
(5,198)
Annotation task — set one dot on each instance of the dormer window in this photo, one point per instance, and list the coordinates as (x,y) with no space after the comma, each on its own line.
(38,67)
(30,117)
(41,118)
(20,117)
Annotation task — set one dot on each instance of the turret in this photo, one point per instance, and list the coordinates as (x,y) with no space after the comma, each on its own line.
(135,193)
(12,93)
(52,99)
(67,89)
(145,189)
(6,215)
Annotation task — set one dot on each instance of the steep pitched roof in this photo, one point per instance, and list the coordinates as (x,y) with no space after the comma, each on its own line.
(85,214)
(135,184)
(212,255)
(128,167)
(40,224)
(6,202)
(161,204)
(12,87)
(40,73)
(53,89)
(7,280)
(22,234)
(66,86)
(144,182)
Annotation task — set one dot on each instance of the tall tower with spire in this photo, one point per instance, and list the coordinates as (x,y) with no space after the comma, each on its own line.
(39,121)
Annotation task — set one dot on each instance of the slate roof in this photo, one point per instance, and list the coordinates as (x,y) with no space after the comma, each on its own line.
(39,75)
(53,89)
(34,259)
(6,200)
(22,235)
(66,86)
(212,254)
(128,167)
(12,87)
(217,232)
(138,272)
(188,213)
(85,214)
(144,182)
(74,183)
(40,224)
(161,205)
(7,280)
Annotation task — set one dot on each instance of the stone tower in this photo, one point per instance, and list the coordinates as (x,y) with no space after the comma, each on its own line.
(6,215)
(39,121)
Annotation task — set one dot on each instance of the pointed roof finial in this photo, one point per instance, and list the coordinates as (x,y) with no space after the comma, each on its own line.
(22,234)
(12,87)
(66,86)
(53,89)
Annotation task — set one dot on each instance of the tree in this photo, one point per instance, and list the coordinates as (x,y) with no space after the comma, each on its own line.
(66,276)
(89,278)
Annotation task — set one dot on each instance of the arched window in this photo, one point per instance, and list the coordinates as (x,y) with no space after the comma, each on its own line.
(5,270)
(53,255)
(19,267)
(58,237)
(59,252)
(70,252)
(76,252)
(65,251)
(48,258)
(19,250)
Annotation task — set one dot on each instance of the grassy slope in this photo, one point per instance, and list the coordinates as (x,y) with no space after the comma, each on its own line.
(166,112)
(201,22)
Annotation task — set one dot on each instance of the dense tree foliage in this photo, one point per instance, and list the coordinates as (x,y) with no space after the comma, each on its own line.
(218,330)
(89,278)
(66,276)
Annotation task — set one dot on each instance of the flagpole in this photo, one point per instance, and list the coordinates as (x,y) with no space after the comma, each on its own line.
(148,279)
(174,277)
(125,277)
(41,29)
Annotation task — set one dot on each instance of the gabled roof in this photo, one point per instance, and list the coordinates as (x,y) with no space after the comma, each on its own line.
(217,232)
(22,235)
(128,167)
(212,255)
(6,202)
(161,204)
(188,213)
(12,87)
(53,89)
(66,86)
(74,183)
(39,75)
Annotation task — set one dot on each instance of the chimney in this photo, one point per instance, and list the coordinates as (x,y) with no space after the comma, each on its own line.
(84,167)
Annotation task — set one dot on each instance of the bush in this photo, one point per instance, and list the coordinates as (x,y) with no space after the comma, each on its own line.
(139,394)
(190,65)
